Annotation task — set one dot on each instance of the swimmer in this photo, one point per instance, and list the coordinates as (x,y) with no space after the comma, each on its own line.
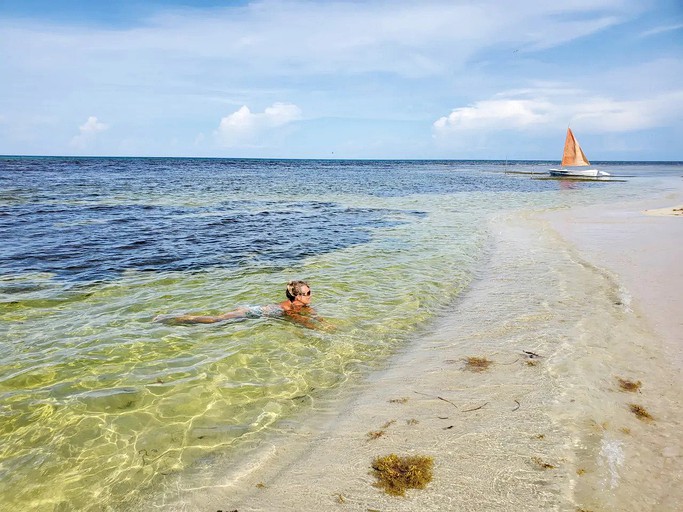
(297,307)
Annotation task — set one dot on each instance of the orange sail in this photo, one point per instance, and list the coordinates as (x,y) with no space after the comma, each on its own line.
(573,154)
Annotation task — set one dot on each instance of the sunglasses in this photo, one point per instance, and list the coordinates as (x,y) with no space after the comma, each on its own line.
(306,294)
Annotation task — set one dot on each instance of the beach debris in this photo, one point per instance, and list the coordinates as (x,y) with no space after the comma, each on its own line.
(580,471)
(625,430)
(376,434)
(448,427)
(477,364)
(640,412)
(629,385)
(530,355)
(539,436)
(531,363)
(340,498)
(518,406)
(541,463)
(412,421)
(260,485)
(396,473)
(476,408)
(401,400)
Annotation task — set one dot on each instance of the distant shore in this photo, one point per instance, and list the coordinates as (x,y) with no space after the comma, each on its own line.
(509,437)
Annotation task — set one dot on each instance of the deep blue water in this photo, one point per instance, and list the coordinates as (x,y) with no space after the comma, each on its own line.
(88,219)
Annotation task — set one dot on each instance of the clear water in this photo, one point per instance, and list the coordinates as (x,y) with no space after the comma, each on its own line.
(98,404)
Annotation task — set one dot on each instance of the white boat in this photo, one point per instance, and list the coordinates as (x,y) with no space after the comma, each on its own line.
(574,161)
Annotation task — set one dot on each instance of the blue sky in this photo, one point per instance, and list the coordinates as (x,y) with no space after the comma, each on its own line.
(342,79)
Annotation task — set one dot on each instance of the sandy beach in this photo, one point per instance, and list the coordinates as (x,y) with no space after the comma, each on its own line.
(545,426)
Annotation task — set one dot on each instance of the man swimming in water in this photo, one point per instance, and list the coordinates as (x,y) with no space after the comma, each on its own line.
(297,307)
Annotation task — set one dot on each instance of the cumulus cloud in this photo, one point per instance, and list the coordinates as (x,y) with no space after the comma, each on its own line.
(88,133)
(244,127)
(539,109)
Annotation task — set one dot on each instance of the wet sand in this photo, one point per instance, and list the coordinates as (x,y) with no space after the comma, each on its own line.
(643,244)
(552,432)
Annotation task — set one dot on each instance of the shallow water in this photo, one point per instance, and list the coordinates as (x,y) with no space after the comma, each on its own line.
(99,404)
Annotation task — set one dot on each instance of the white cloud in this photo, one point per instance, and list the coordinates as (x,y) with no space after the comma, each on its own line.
(546,107)
(661,30)
(244,127)
(88,133)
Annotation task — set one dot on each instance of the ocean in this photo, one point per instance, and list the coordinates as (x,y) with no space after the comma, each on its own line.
(101,407)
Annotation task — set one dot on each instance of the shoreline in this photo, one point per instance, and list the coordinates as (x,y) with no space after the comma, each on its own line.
(523,435)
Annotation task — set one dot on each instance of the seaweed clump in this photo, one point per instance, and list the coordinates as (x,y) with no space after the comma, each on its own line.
(640,412)
(477,364)
(395,474)
(629,385)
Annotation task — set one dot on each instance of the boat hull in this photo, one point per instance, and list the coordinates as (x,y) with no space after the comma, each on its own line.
(578,172)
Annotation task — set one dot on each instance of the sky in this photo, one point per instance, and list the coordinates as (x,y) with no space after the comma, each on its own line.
(432,79)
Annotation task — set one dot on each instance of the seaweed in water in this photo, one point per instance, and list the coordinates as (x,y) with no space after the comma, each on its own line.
(629,385)
(376,434)
(640,412)
(540,463)
(477,364)
(395,474)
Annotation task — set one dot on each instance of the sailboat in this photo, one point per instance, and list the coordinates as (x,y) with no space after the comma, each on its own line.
(574,161)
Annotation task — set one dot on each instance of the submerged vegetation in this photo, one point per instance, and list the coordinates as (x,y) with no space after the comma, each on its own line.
(376,434)
(640,412)
(541,463)
(477,364)
(629,385)
(395,474)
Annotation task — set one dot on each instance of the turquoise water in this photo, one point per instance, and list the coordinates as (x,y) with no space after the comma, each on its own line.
(98,403)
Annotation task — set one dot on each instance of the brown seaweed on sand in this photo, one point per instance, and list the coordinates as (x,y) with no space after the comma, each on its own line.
(540,463)
(477,364)
(376,434)
(629,385)
(640,412)
(395,474)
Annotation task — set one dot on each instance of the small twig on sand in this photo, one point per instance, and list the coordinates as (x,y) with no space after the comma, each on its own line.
(518,406)
(476,408)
